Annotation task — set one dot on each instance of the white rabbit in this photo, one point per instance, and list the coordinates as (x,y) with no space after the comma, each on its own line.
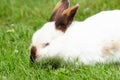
(94,40)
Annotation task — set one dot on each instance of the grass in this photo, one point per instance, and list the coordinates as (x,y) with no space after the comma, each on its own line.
(25,17)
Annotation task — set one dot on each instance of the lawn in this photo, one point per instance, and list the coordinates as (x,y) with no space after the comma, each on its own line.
(24,17)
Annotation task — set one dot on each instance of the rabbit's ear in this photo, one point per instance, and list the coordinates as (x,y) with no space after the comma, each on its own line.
(59,8)
(66,18)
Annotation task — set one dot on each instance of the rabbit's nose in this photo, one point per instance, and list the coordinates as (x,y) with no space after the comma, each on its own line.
(33,53)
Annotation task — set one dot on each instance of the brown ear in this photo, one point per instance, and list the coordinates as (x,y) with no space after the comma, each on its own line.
(59,8)
(66,18)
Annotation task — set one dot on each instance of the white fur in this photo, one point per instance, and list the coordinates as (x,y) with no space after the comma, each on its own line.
(82,40)
(45,35)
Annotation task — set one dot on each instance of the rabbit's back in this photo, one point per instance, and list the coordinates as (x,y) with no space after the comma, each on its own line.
(95,37)
(102,26)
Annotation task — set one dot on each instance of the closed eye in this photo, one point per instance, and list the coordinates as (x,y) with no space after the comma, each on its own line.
(45,45)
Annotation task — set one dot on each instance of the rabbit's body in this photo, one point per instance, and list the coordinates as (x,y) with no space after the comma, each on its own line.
(97,39)
(94,40)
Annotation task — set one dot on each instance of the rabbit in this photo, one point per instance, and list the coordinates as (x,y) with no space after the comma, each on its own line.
(94,40)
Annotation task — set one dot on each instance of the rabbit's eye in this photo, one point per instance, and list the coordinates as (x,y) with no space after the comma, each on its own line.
(45,44)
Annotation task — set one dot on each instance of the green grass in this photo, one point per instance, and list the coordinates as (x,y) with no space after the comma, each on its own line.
(25,17)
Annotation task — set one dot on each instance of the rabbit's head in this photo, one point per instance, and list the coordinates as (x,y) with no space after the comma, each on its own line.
(62,17)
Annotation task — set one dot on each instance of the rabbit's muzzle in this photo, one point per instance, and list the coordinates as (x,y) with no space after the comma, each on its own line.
(33,53)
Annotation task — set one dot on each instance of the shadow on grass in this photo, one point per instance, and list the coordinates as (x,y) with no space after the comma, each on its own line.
(56,63)
(47,64)
(53,63)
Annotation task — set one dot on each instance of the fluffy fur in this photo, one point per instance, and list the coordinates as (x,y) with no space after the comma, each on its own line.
(95,40)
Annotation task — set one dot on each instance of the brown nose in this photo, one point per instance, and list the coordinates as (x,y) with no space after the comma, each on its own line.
(33,53)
